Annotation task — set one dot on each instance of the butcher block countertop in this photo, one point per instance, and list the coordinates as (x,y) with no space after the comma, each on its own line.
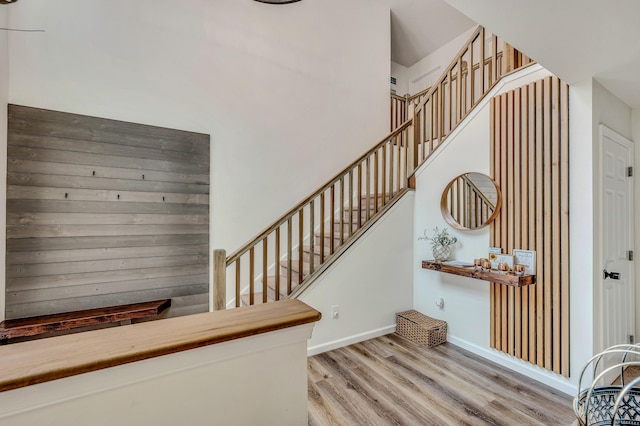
(38,361)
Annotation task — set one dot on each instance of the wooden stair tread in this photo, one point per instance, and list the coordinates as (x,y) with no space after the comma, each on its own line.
(354,225)
(271,284)
(295,266)
(386,196)
(372,206)
(350,218)
(316,249)
(257,298)
(363,214)
(271,290)
(336,233)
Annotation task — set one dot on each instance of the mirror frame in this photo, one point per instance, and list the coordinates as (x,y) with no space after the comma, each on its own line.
(446,214)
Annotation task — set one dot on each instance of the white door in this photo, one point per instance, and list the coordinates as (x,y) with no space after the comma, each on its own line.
(617,294)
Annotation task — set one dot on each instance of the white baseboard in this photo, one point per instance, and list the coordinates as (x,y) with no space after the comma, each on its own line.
(350,340)
(532,371)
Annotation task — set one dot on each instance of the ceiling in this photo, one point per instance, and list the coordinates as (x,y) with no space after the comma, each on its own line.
(574,39)
(419,27)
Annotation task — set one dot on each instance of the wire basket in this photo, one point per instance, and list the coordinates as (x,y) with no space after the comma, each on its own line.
(605,404)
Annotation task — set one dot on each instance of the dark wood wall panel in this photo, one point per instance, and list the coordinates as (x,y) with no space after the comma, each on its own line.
(104,242)
(94,159)
(26,166)
(530,162)
(58,206)
(103,212)
(58,181)
(84,127)
(100,277)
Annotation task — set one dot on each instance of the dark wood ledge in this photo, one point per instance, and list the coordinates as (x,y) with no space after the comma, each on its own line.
(470,272)
(123,314)
(38,361)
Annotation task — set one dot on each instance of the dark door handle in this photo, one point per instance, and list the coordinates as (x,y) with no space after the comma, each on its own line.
(612,275)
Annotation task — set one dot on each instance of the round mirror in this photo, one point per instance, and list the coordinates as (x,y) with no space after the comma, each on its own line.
(470,201)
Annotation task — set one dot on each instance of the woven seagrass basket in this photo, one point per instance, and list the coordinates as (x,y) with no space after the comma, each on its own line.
(420,328)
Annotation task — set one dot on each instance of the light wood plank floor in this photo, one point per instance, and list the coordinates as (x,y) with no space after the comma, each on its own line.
(392,381)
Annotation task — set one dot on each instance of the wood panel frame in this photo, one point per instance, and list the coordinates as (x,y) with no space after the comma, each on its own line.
(103,212)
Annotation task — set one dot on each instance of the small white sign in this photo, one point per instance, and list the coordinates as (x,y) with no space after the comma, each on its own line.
(494,252)
(526,258)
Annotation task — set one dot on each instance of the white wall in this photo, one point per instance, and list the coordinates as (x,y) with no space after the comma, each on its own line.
(4,99)
(423,74)
(582,228)
(370,283)
(290,94)
(610,111)
(231,383)
(402,83)
(467,305)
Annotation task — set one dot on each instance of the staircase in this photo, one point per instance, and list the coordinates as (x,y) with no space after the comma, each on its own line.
(289,255)
(324,243)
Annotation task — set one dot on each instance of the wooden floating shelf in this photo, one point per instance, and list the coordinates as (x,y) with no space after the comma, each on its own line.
(470,272)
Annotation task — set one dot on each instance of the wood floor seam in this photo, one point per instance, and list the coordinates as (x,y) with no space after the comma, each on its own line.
(390,380)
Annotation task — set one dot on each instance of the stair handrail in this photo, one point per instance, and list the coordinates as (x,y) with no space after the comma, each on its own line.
(499,64)
(479,29)
(400,106)
(383,169)
(410,149)
(419,95)
(424,95)
(282,219)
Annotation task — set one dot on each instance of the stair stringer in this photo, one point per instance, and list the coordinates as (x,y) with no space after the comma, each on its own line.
(370,282)
(274,267)
(502,85)
(342,248)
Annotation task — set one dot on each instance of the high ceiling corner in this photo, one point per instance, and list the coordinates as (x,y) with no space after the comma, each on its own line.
(574,39)
(419,27)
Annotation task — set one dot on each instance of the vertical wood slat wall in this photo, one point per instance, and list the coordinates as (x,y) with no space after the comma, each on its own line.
(103,212)
(530,163)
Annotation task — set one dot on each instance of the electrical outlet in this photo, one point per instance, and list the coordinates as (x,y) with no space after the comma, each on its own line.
(335,311)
